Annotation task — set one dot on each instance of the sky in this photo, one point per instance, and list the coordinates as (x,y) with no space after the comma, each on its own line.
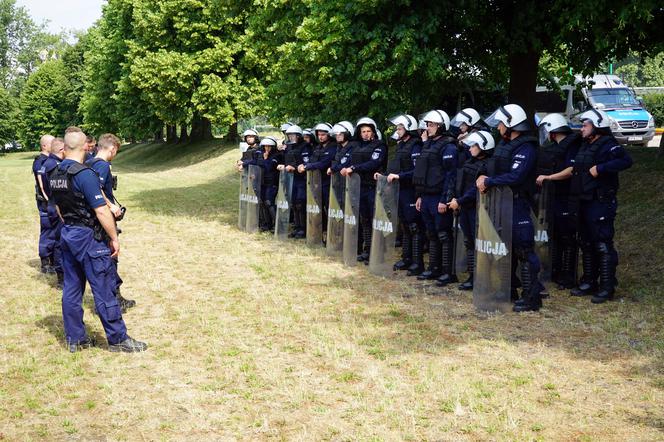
(67,15)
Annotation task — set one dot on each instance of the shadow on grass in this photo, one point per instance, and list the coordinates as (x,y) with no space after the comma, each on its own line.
(53,324)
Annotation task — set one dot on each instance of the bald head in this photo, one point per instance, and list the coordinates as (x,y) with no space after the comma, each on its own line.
(74,140)
(45,143)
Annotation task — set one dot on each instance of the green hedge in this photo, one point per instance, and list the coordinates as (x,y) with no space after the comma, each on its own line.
(655,105)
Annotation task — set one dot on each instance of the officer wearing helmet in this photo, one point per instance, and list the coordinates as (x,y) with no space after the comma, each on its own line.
(343,133)
(283,128)
(480,146)
(321,159)
(308,136)
(252,139)
(401,168)
(434,178)
(468,120)
(595,183)
(514,164)
(297,153)
(365,159)
(554,163)
(268,160)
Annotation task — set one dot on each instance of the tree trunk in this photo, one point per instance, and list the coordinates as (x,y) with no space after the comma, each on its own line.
(523,81)
(171,134)
(159,135)
(201,129)
(184,136)
(233,134)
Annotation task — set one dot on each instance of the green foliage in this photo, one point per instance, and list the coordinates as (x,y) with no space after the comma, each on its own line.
(640,71)
(8,118)
(655,105)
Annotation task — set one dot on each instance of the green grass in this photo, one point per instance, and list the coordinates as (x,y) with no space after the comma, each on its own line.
(253,339)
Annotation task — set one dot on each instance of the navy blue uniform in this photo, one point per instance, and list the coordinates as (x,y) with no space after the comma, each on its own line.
(42,207)
(269,186)
(295,155)
(321,159)
(434,178)
(85,253)
(514,164)
(52,245)
(597,208)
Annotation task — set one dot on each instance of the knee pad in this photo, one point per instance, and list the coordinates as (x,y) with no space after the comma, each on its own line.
(445,236)
(414,228)
(522,253)
(602,247)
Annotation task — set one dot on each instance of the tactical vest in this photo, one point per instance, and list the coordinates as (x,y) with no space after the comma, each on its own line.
(428,176)
(467,175)
(38,159)
(501,163)
(73,207)
(271,176)
(403,160)
(248,154)
(319,151)
(293,155)
(362,153)
(583,184)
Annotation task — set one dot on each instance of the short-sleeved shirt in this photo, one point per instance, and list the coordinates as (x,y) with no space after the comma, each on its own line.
(103,169)
(86,182)
(48,166)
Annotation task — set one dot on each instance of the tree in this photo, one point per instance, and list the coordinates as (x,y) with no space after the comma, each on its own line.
(8,118)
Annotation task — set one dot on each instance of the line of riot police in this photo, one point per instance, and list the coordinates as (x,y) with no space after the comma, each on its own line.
(511,215)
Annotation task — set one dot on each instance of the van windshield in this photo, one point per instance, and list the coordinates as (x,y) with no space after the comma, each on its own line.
(613,97)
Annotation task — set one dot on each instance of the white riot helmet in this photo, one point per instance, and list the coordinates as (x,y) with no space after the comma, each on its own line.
(284,127)
(269,141)
(249,133)
(379,134)
(422,125)
(439,117)
(469,116)
(323,127)
(482,138)
(598,118)
(308,131)
(552,123)
(407,121)
(294,129)
(343,126)
(512,116)
(366,121)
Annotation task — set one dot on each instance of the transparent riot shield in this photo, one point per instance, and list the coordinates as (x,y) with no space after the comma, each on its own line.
(283,203)
(253,195)
(460,255)
(493,250)
(351,219)
(314,209)
(242,212)
(335,216)
(542,218)
(385,222)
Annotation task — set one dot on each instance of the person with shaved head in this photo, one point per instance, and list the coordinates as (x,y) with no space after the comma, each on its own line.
(89,242)
(42,205)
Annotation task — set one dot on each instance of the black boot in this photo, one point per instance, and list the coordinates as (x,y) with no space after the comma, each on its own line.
(417,267)
(367,230)
(46,266)
(569,256)
(588,284)
(406,249)
(531,300)
(433,271)
(300,221)
(272,209)
(61,281)
(447,259)
(470,266)
(607,274)
(124,303)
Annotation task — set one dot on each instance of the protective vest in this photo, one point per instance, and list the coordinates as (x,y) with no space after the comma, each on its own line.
(583,184)
(319,151)
(467,175)
(428,176)
(293,155)
(552,159)
(36,165)
(403,160)
(502,160)
(73,207)
(362,153)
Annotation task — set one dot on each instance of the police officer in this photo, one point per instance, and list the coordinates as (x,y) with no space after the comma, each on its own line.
(297,153)
(321,159)
(252,139)
(559,147)
(55,224)
(595,183)
(514,164)
(107,149)
(343,133)
(365,159)
(401,168)
(466,122)
(268,160)
(480,146)
(89,241)
(42,204)
(308,136)
(434,178)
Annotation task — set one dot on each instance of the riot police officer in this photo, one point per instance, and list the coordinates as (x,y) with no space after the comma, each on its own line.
(252,139)
(297,153)
(366,159)
(559,147)
(480,146)
(401,168)
(268,160)
(55,224)
(434,178)
(467,121)
(89,241)
(321,159)
(42,205)
(514,164)
(595,183)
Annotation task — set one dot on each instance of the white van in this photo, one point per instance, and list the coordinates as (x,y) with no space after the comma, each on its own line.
(631,123)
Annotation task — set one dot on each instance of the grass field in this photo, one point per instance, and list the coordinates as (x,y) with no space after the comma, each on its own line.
(252,339)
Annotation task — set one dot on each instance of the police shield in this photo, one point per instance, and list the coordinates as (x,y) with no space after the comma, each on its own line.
(253,195)
(351,218)
(543,223)
(460,255)
(384,227)
(493,250)
(283,201)
(242,212)
(314,209)
(335,216)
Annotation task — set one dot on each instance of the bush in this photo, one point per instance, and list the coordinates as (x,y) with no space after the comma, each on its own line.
(655,105)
